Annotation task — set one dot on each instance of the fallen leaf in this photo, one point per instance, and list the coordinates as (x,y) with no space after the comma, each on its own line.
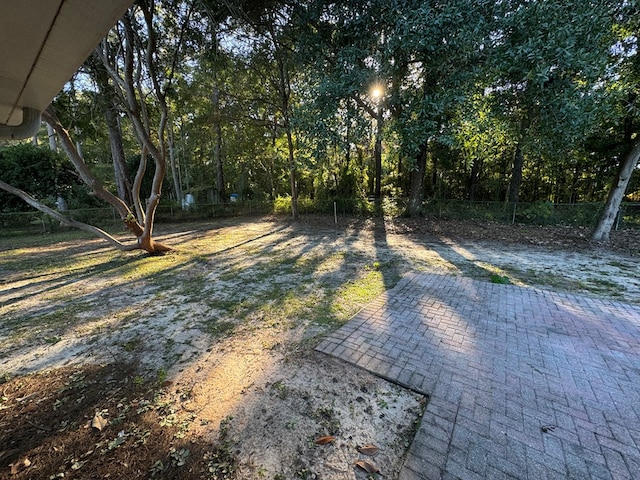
(15,468)
(367,466)
(370,450)
(324,440)
(98,422)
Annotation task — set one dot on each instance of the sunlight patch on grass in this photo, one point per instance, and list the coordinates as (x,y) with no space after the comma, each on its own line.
(147,267)
(356,294)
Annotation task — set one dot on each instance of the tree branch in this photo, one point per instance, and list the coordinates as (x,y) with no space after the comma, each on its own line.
(85,174)
(69,222)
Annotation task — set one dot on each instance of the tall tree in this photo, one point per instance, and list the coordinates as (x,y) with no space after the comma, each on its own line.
(625,87)
(140,67)
(140,57)
(424,52)
(266,24)
(544,59)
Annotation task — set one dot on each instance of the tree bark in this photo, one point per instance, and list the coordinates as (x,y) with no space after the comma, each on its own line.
(285,97)
(516,174)
(177,186)
(81,167)
(416,189)
(377,155)
(51,134)
(143,234)
(616,194)
(474,179)
(123,184)
(217,146)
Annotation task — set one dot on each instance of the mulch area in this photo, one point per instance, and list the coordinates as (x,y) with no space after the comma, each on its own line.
(622,241)
(552,237)
(99,422)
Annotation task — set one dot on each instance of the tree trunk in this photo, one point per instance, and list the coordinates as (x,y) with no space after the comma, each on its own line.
(51,134)
(292,177)
(79,143)
(217,147)
(285,96)
(139,53)
(516,175)
(377,155)
(145,240)
(123,184)
(616,194)
(177,186)
(416,189)
(108,101)
(474,179)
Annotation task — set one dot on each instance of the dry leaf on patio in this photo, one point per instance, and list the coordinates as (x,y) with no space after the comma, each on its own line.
(324,440)
(99,422)
(370,450)
(367,466)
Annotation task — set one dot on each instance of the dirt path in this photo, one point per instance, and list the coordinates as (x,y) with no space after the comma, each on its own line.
(228,323)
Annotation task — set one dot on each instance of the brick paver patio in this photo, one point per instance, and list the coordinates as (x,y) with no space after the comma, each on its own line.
(523,383)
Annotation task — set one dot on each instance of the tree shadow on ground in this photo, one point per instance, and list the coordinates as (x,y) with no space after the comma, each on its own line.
(53,430)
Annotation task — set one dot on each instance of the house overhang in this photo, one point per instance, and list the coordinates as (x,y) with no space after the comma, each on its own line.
(42,44)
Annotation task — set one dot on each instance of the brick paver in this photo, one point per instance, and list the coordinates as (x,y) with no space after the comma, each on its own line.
(522,383)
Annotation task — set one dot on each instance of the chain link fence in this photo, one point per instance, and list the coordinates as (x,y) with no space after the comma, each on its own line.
(538,213)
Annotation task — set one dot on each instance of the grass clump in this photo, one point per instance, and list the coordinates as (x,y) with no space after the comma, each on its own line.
(500,279)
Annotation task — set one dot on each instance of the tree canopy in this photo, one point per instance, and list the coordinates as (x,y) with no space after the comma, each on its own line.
(518,100)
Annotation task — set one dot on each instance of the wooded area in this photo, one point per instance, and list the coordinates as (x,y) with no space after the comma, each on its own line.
(208,101)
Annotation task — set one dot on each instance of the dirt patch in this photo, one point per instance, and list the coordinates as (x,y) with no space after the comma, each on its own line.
(202,361)
(109,422)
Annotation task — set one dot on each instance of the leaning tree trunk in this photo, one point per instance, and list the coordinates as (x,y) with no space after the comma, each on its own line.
(616,194)
(69,222)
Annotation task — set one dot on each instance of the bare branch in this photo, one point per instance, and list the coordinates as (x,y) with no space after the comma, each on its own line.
(85,174)
(69,222)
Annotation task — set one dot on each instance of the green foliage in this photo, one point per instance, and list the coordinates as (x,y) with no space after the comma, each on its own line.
(36,170)
(539,212)
(500,279)
(282,205)
(544,63)
(465,81)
